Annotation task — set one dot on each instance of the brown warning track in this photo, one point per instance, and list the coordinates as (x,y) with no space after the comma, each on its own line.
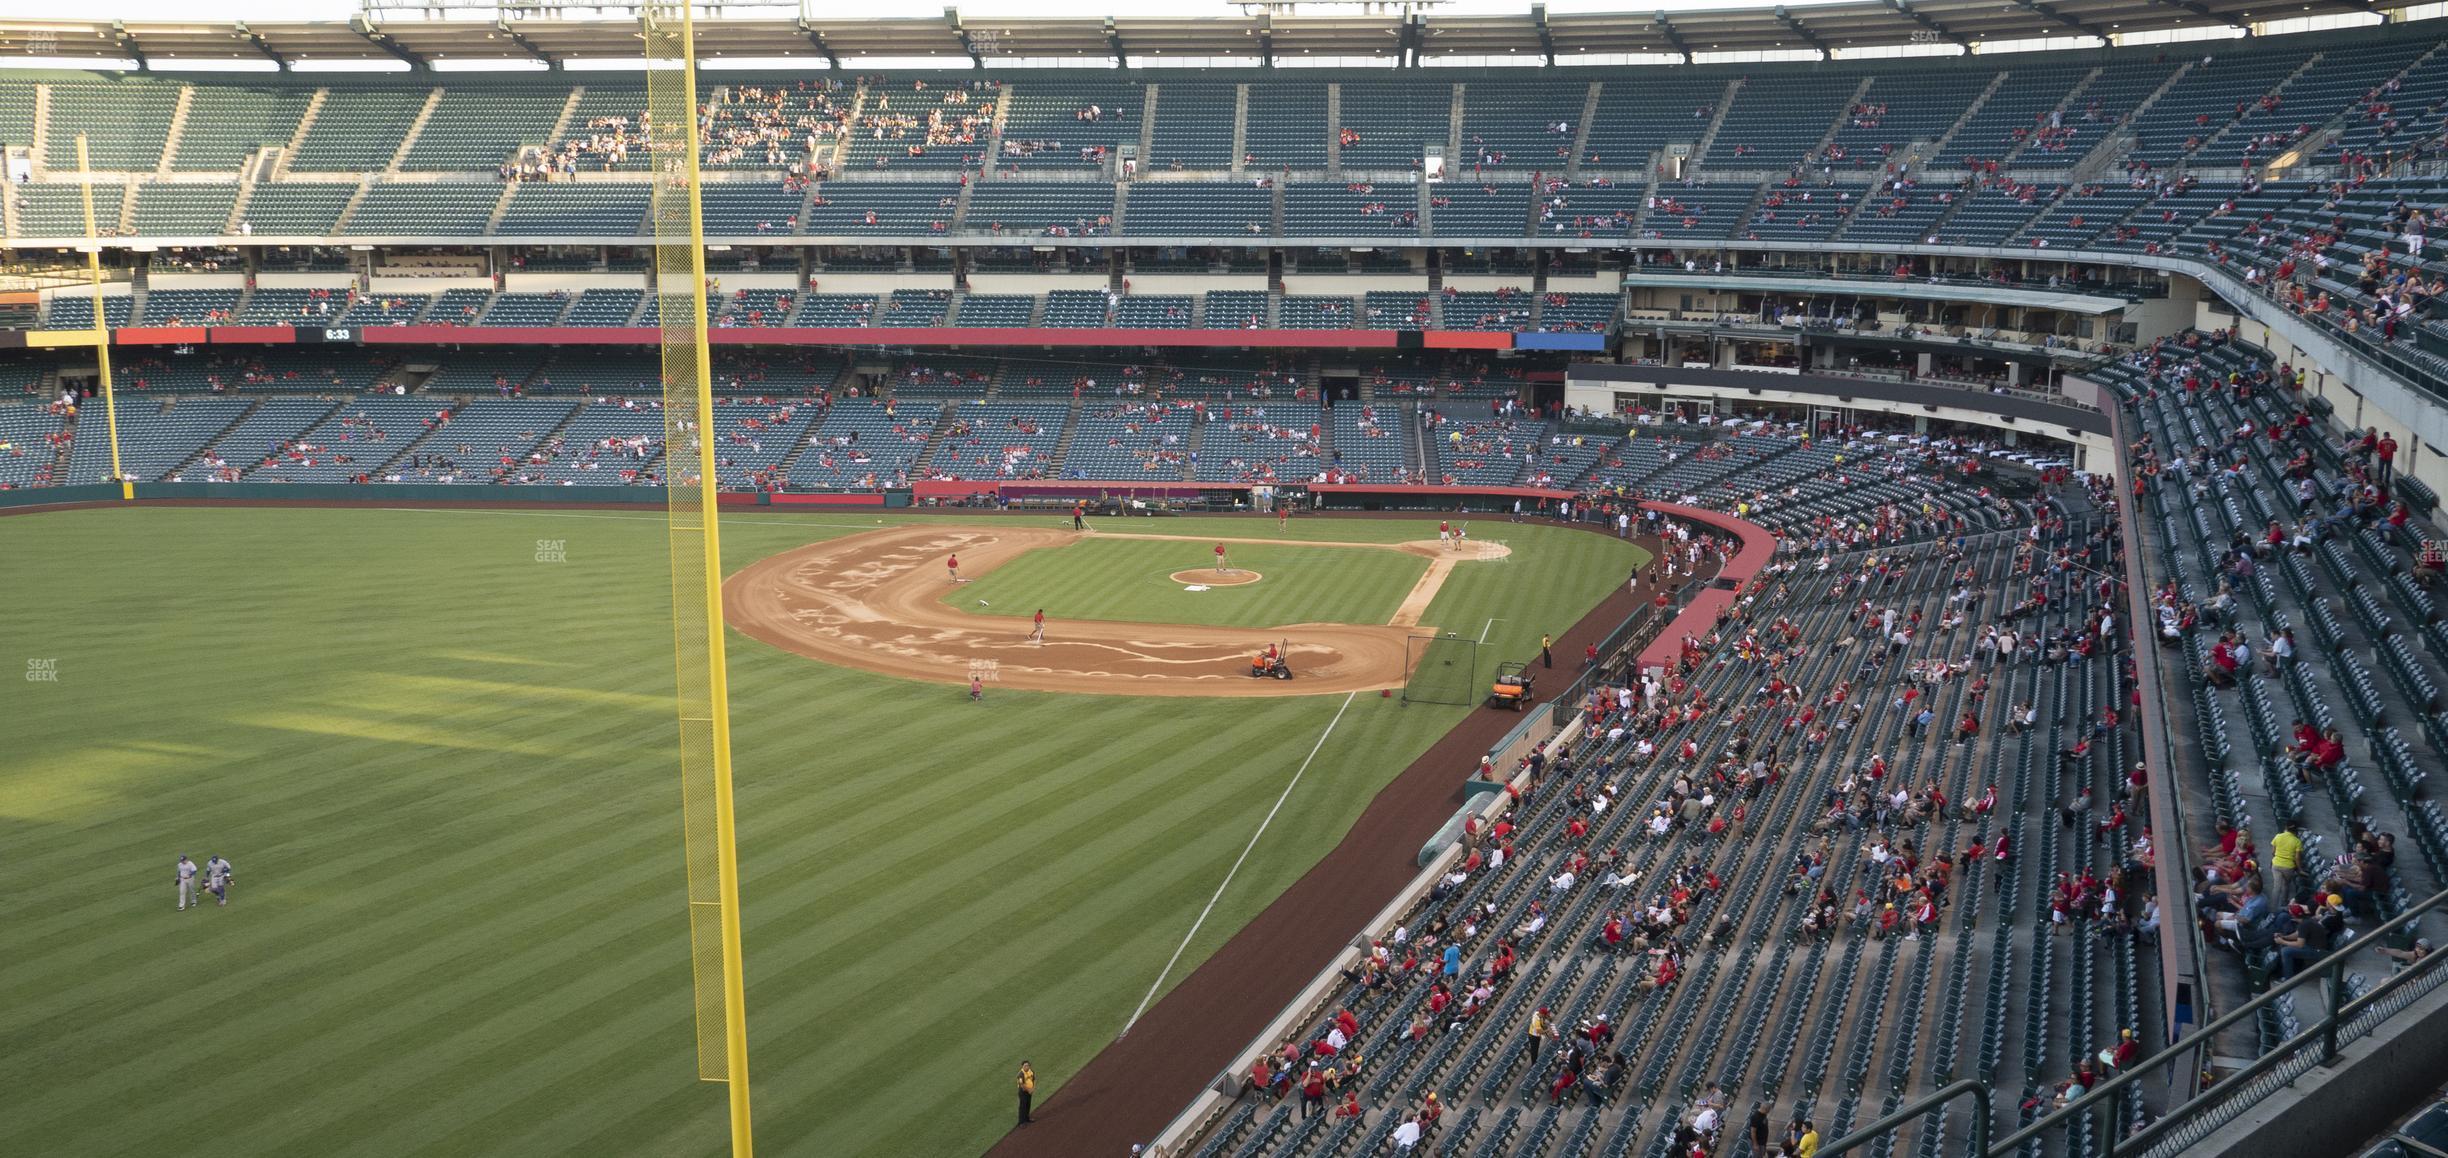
(874,601)
(1135,1086)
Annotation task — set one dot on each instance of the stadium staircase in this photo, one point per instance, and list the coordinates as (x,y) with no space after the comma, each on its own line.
(1453,136)
(960,205)
(1844,116)
(416,128)
(438,432)
(305,125)
(2105,156)
(2061,109)
(1716,121)
(1938,147)
(1147,133)
(1875,191)
(178,130)
(1240,146)
(1334,135)
(348,211)
(501,206)
(841,142)
(994,143)
(1062,446)
(925,462)
(1580,145)
(1192,447)
(2144,106)
(244,196)
(216,437)
(561,124)
(59,455)
(41,147)
(2329,129)
(2277,90)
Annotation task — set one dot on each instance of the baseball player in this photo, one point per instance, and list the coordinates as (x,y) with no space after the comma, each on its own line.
(1223,563)
(1445,535)
(952,567)
(1037,634)
(218,875)
(186,874)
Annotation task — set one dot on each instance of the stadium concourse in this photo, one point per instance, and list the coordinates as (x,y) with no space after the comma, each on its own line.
(2088,398)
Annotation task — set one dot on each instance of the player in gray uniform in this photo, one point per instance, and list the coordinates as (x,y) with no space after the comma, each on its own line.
(186,881)
(217,877)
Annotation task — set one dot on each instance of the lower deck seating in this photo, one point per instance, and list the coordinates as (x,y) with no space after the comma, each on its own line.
(1262,443)
(1130,439)
(864,444)
(998,440)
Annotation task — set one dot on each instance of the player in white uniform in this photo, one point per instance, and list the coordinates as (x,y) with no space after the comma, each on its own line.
(186,881)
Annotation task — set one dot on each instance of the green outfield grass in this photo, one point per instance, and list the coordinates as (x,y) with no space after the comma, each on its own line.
(443,769)
(1128,579)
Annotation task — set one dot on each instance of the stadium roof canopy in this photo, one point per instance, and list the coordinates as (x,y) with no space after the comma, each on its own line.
(538,34)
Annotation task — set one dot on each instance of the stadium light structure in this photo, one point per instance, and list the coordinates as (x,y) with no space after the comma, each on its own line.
(691,483)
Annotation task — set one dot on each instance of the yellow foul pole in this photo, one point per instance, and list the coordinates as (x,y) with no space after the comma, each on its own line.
(692,488)
(101,337)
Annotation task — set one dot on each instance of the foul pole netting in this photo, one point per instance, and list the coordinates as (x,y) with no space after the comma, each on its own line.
(690,483)
(101,323)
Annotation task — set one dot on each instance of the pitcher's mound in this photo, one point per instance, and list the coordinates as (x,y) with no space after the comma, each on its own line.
(1210,577)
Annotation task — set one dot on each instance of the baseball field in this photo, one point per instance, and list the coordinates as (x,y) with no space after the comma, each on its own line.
(437,748)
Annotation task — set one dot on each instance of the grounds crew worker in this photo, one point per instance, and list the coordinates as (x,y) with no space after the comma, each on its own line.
(1028,1089)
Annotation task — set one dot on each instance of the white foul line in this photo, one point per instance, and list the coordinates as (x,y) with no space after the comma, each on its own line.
(1236,868)
(1491,626)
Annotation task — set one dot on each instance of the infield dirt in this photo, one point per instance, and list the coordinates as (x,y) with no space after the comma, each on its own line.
(874,601)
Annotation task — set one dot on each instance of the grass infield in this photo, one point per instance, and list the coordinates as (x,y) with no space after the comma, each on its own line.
(1127,579)
(442,763)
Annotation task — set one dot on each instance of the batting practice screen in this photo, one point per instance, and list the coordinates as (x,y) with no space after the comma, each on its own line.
(1444,670)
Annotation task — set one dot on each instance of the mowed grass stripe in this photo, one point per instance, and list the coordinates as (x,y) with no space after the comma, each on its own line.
(459,936)
(351,862)
(1129,580)
(317,847)
(1018,971)
(443,770)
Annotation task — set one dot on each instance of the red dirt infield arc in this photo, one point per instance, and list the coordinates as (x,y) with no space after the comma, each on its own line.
(872,601)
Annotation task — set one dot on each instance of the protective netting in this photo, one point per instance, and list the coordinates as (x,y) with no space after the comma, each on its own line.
(1444,670)
(696,573)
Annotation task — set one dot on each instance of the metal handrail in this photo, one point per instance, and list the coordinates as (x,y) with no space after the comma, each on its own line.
(2329,971)
(1952,1091)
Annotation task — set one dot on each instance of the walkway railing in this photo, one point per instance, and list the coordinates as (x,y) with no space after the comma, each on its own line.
(2351,1007)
